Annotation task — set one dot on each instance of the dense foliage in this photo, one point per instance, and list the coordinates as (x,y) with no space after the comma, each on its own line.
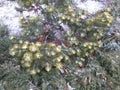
(112,33)
(59,49)
(77,43)
(4,43)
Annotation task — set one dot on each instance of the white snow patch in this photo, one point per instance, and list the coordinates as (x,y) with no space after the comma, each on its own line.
(90,5)
(9,16)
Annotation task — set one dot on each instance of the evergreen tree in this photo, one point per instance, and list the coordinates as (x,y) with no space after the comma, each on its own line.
(60,48)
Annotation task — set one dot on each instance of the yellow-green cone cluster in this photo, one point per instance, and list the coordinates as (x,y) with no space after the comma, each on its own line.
(25,3)
(70,15)
(35,55)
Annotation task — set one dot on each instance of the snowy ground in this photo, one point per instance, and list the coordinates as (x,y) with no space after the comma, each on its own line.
(10,17)
(90,5)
